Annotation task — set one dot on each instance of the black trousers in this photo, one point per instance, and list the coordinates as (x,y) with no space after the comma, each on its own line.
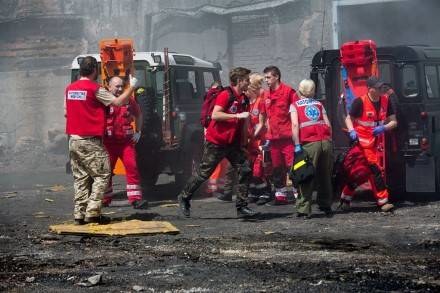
(212,155)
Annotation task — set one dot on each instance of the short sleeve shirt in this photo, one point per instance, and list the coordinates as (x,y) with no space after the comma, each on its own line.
(357,108)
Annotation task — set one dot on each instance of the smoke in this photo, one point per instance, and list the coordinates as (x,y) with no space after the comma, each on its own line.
(410,22)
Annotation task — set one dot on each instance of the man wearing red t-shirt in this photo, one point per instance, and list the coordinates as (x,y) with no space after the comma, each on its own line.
(277,100)
(226,137)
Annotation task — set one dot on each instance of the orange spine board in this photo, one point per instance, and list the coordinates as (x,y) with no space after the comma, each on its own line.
(360,60)
(116,58)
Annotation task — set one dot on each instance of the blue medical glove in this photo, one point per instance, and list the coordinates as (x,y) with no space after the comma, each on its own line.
(298,148)
(136,137)
(353,135)
(266,145)
(378,130)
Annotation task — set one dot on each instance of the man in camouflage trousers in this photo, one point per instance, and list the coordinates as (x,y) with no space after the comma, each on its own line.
(85,102)
(226,137)
(91,173)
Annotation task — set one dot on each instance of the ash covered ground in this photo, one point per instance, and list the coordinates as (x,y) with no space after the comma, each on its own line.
(360,251)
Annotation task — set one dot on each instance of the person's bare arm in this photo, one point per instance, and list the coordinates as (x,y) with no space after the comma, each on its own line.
(391,122)
(349,123)
(138,122)
(124,97)
(260,125)
(107,98)
(295,127)
(327,122)
(219,114)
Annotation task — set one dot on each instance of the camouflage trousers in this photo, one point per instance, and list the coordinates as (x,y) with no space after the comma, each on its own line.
(91,175)
(212,155)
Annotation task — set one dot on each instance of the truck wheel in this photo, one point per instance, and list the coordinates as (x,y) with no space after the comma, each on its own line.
(149,145)
(191,160)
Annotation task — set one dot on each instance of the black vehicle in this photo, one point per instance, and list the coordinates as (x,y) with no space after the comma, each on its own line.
(413,149)
(172,136)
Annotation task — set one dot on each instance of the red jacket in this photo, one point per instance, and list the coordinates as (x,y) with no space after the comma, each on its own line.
(254,112)
(119,121)
(370,118)
(227,132)
(85,114)
(311,122)
(277,104)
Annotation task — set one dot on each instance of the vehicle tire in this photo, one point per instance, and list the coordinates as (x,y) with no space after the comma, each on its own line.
(148,147)
(191,159)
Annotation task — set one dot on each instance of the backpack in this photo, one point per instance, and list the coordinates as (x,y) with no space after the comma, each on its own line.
(302,169)
(355,167)
(209,103)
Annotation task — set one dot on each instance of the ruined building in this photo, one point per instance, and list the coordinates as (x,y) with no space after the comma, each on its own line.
(39,38)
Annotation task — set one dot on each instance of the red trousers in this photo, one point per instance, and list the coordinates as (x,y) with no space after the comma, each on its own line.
(127,153)
(379,190)
(281,152)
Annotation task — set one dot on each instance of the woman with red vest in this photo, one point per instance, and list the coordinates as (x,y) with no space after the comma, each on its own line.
(259,187)
(370,117)
(120,139)
(85,102)
(277,100)
(312,134)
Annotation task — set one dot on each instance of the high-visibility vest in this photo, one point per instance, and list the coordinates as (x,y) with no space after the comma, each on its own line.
(119,122)
(312,126)
(369,119)
(85,114)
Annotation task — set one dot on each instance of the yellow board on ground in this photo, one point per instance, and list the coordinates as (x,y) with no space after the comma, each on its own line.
(124,228)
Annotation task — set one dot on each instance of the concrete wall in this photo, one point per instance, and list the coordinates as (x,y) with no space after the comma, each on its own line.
(39,39)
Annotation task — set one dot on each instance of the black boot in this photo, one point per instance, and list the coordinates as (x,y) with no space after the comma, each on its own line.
(184,206)
(98,220)
(140,204)
(245,212)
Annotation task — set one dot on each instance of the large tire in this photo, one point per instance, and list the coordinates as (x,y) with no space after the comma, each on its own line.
(149,145)
(190,161)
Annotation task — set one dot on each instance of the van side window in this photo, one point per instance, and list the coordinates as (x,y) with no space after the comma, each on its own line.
(320,91)
(432,81)
(186,87)
(208,80)
(385,72)
(409,82)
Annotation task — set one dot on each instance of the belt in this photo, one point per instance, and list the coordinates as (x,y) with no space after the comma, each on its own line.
(77,137)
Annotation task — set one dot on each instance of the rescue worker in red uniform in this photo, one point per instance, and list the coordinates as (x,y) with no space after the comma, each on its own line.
(259,187)
(370,117)
(277,100)
(120,139)
(226,137)
(85,102)
(312,135)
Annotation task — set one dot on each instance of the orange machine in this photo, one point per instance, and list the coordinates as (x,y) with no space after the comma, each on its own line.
(116,59)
